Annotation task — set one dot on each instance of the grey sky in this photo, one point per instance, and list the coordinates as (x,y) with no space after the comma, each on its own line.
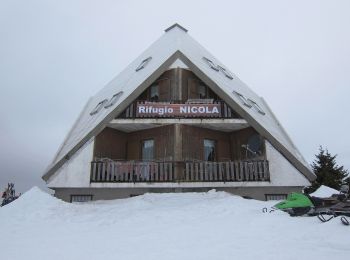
(55,54)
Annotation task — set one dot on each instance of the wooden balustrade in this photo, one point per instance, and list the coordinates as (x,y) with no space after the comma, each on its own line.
(227,171)
(106,170)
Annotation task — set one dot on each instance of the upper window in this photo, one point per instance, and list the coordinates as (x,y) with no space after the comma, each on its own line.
(98,107)
(114,99)
(148,150)
(202,91)
(226,72)
(143,64)
(249,103)
(209,150)
(256,106)
(154,92)
(211,64)
(243,99)
(218,68)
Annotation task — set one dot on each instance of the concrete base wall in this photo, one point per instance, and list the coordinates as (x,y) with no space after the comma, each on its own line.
(119,193)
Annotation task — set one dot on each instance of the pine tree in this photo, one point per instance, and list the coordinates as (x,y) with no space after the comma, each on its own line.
(327,171)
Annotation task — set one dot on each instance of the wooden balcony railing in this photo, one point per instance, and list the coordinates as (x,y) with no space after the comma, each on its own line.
(106,170)
(227,171)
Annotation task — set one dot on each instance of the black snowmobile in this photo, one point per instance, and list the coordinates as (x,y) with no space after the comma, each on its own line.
(8,195)
(342,208)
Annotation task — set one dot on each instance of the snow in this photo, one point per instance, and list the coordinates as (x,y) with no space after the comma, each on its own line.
(213,225)
(324,192)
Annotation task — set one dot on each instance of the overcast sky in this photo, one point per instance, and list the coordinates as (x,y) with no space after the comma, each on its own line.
(54,55)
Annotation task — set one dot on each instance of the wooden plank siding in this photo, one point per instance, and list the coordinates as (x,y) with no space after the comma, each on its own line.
(106,170)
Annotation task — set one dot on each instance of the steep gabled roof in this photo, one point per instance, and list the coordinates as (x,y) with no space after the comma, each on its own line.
(176,44)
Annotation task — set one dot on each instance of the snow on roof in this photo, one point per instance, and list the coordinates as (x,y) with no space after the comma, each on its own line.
(324,192)
(175,44)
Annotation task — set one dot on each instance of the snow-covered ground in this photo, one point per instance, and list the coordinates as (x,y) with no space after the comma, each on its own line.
(213,225)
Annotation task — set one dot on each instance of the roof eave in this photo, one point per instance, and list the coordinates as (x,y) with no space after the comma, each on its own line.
(119,109)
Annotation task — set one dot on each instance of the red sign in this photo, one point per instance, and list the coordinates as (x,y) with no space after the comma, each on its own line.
(177,110)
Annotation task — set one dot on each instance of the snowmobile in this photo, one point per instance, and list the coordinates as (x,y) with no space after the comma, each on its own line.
(299,204)
(342,209)
(8,195)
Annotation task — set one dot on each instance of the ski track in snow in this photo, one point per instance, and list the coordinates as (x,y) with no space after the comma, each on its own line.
(212,225)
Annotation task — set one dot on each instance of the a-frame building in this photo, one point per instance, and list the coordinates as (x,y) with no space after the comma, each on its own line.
(176,120)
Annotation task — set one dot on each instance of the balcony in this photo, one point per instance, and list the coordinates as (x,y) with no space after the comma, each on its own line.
(106,170)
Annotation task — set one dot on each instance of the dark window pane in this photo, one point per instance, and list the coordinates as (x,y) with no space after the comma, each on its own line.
(154,93)
(202,91)
(98,107)
(209,150)
(253,147)
(148,150)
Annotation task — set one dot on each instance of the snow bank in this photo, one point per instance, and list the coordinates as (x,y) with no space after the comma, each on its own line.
(213,225)
(324,192)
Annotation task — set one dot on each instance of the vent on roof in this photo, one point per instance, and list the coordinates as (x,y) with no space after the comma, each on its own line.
(98,107)
(218,68)
(176,25)
(256,106)
(143,64)
(226,72)
(249,102)
(243,99)
(211,64)
(114,99)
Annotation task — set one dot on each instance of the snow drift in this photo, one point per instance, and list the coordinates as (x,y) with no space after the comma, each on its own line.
(213,225)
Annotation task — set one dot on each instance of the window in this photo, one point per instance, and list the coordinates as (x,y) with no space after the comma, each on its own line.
(218,68)
(227,73)
(148,150)
(254,147)
(143,64)
(209,150)
(275,196)
(114,99)
(202,91)
(242,98)
(211,64)
(80,198)
(98,107)
(256,106)
(154,93)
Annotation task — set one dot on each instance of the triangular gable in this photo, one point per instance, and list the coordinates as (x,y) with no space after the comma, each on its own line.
(175,44)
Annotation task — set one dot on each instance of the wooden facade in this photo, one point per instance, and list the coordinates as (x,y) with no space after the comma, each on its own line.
(117,145)
(178,149)
(179,86)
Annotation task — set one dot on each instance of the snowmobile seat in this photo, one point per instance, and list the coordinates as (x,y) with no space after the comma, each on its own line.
(317,202)
(324,202)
